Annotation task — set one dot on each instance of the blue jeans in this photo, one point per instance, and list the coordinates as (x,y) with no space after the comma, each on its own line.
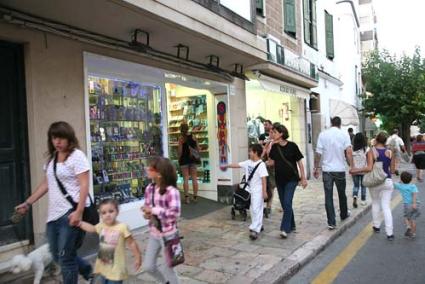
(286,194)
(64,240)
(103,280)
(358,184)
(329,179)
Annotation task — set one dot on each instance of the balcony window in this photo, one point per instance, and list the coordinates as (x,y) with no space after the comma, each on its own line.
(275,52)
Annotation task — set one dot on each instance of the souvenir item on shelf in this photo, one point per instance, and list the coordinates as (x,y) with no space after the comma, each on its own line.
(121,136)
(192,110)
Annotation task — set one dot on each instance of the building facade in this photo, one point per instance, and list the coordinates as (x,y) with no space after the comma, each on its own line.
(368,28)
(124,74)
(332,42)
(279,89)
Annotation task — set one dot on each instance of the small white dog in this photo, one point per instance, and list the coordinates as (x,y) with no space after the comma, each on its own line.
(37,260)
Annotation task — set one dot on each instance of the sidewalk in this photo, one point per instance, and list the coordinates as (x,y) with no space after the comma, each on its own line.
(218,249)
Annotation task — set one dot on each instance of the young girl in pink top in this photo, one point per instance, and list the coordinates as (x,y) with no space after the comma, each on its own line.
(162,214)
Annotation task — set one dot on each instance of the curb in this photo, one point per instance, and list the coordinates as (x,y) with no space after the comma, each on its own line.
(285,269)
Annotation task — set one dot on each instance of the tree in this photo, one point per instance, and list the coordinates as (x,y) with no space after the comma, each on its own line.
(397,86)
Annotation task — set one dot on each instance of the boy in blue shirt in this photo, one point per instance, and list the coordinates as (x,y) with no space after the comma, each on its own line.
(409,193)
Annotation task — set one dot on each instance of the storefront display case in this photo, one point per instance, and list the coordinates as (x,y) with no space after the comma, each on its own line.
(190,106)
(125,128)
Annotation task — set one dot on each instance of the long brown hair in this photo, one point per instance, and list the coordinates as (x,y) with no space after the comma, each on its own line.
(166,170)
(61,129)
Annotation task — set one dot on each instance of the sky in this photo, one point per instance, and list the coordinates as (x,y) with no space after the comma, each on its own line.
(401,25)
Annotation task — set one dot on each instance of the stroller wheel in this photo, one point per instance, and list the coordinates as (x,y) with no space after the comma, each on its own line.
(244,215)
(233,214)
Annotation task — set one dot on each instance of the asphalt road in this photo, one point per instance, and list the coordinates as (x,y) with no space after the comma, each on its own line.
(378,260)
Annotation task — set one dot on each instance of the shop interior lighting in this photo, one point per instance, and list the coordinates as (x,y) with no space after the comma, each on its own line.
(182,48)
(214,60)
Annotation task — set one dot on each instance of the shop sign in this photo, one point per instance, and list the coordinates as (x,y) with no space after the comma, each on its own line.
(287,89)
(222,135)
(297,63)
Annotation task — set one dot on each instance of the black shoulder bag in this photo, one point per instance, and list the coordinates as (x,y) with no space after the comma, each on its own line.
(90,214)
(295,171)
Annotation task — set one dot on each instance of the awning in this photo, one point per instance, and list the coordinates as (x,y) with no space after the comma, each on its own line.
(345,111)
(277,86)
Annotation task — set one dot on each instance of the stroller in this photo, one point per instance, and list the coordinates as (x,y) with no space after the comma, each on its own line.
(242,198)
(241,202)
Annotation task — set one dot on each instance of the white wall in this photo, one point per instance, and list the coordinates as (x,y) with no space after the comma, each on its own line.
(348,55)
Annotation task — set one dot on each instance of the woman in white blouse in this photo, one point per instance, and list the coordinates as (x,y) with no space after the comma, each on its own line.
(72,170)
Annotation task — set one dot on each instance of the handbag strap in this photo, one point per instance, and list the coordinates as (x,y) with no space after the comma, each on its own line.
(62,187)
(287,162)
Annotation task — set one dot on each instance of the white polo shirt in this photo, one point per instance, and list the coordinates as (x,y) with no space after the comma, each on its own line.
(331,145)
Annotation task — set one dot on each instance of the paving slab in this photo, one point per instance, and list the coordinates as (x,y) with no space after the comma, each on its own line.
(218,249)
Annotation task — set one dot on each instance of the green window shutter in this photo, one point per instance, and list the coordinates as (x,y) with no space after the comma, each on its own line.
(260,7)
(307,21)
(329,35)
(313,24)
(289,14)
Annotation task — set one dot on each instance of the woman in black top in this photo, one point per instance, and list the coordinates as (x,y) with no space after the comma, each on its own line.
(187,162)
(289,171)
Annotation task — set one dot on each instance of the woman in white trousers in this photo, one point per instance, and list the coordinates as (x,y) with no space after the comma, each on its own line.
(381,194)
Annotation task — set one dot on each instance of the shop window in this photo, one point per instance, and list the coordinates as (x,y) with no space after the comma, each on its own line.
(289,17)
(125,130)
(189,105)
(329,30)
(310,23)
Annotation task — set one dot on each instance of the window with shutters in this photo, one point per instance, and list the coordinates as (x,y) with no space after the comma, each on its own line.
(310,23)
(289,19)
(260,7)
(329,30)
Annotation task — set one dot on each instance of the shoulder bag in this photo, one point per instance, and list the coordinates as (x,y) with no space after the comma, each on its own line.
(173,249)
(90,214)
(193,152)
(377,176)
(295,171)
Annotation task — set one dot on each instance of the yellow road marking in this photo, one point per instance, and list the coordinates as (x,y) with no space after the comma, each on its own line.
(334,268)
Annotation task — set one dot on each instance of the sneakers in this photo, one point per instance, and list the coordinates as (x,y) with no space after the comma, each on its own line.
(363,203)
(331,227)
(408,232)
(376,230)
(412,236)
(283,235)
(355,202)
(390,238)
(253,235)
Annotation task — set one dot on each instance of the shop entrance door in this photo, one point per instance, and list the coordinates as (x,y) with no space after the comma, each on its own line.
(14,177)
